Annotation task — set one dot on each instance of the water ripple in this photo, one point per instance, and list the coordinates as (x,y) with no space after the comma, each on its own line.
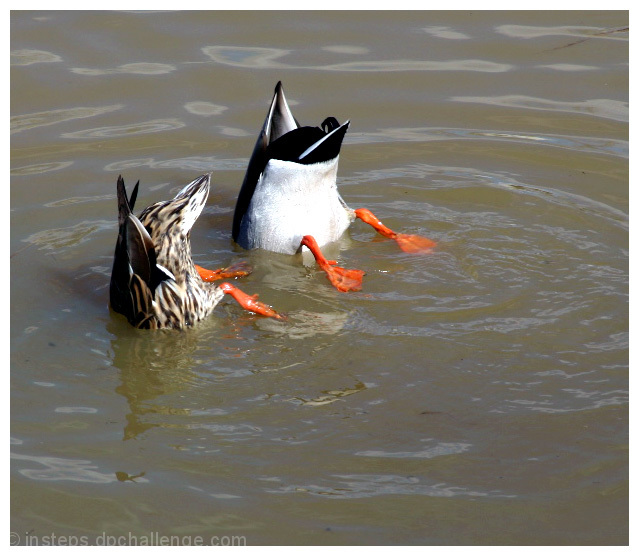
(269,58)
(598,107)
(582,400)
(445,33)
(78,199)
(569,67)
(536,31)
(609,146)
(614,342)
(330,396)
(38,119)
(62,238)
(425,173)
(60,469)
(246,57)
(304,324)
(503,325)
(200,108)
(368,485)
(346,49)
(419,65)
(26,57)
(137,68)
(42,168)
(152,126)
(195,163)
(442,449)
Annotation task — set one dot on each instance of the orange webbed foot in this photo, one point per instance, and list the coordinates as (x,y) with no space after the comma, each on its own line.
(236,270)
(249,302)
(409,243)
(343,279)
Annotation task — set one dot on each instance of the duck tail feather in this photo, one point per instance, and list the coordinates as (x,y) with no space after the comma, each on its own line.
(134,196)
(139,248)
(280,119)
(328,147)
(253,171)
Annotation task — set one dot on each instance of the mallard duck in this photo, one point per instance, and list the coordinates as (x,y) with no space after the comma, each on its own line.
(154,282)
(289,197)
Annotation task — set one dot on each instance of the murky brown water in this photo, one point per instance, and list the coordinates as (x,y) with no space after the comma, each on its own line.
(474,395)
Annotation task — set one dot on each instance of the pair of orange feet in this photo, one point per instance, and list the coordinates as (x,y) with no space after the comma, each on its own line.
(248,302)
(343,279)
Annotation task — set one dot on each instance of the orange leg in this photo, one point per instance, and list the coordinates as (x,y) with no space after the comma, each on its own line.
(237,270)
(407,242)
(342,278)
(249,302)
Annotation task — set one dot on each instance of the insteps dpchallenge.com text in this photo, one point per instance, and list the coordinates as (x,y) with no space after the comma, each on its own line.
(128,539)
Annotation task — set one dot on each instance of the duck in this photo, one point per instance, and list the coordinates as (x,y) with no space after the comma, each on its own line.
(154,282)
(289,199)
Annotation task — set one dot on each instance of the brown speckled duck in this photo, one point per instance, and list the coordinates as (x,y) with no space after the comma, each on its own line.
(154,282)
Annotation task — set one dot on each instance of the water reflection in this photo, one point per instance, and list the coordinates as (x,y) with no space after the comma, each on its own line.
(38,119)
(575,399)
(599,107)
(75,409)
(536,31)
(245,56)
(233,132)
(61,469)
(331,396)
(60,239)
(440,449)
(485,66)
(138,68)
(151,366)
(42,168)
(269,58)
(26,57)
(461,177)
(77,200)
(445,33)
(568,67)
(201,108)
(303,324)
(368,485)
(346,49)
(152,126)
(615,147)
(194,163)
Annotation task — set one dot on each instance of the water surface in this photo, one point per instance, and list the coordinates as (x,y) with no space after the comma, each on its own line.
(476,395)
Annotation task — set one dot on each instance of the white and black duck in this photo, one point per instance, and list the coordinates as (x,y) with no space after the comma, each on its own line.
(289,197)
